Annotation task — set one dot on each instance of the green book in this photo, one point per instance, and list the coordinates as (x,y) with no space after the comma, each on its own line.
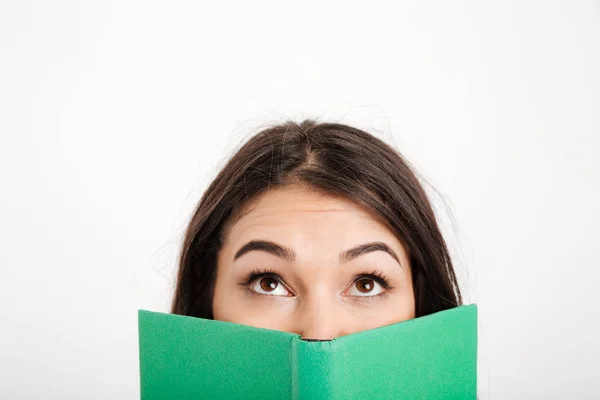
(431,357)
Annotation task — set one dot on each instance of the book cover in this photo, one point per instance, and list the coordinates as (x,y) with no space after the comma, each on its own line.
(430,357)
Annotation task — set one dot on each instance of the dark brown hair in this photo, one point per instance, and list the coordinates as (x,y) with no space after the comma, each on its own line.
(334,159)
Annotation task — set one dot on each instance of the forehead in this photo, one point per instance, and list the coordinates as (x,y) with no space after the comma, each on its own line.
(308,212)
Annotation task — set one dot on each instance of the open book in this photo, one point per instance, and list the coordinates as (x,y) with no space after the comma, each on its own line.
(431,357)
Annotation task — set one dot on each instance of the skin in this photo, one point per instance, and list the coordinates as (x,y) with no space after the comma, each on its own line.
(316,294)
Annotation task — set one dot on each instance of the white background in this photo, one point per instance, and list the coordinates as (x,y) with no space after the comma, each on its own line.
(114,116)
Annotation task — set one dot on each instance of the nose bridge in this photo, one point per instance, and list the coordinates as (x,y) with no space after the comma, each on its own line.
(320,317)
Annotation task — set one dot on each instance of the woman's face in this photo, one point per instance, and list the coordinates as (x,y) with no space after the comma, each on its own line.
(322,267)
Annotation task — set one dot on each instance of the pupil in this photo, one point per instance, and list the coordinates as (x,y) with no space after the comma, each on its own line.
(268,284)
(365,285)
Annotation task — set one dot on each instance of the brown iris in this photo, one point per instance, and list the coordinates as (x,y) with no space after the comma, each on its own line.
(268,284)
(365,285)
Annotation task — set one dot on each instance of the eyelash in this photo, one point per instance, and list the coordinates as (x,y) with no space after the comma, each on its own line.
(259,273)
(376,275)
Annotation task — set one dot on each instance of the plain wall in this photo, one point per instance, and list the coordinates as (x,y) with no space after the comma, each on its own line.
(114,117)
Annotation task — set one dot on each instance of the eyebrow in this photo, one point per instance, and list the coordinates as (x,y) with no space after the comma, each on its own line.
(290,255)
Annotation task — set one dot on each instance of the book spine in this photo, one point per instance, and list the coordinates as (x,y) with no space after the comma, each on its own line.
(312,373)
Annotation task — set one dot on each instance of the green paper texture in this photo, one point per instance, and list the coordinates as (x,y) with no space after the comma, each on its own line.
(431,357)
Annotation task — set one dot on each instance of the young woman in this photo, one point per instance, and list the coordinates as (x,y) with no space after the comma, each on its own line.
(315,228)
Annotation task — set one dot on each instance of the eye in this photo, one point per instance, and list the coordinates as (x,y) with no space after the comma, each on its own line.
(365,286)
(269,285)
